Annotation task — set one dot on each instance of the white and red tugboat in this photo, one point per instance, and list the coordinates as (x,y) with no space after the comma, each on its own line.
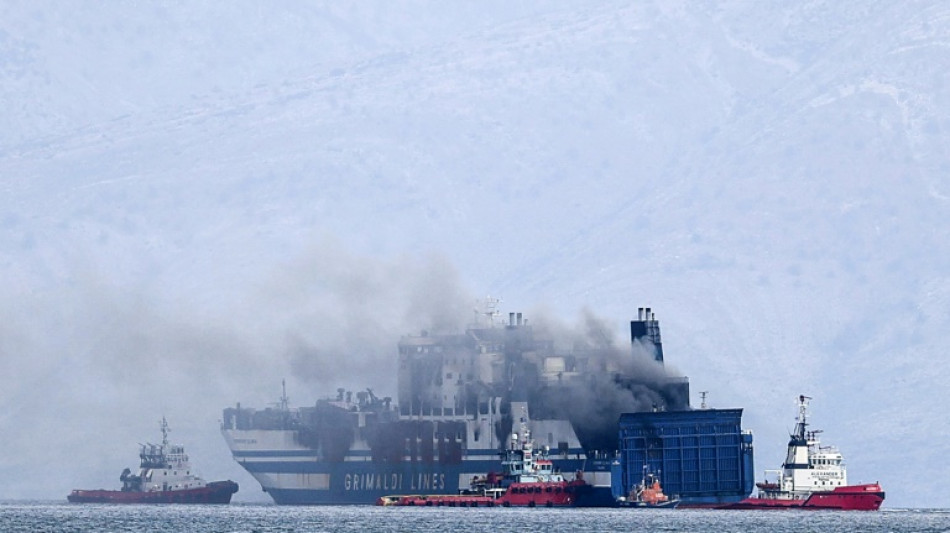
(812,477)
(165,476)
(529,479)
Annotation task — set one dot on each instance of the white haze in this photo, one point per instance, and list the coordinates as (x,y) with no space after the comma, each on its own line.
(199,199)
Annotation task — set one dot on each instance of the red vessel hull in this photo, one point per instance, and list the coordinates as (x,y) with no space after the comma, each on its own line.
(534,494)
(852,498)
(215,492)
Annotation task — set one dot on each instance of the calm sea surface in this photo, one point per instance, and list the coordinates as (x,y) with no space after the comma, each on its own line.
(65,517)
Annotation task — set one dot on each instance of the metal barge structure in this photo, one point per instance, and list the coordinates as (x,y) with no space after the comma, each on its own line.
(703,456)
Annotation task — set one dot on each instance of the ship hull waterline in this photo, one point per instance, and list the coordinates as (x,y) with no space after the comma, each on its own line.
(218,492)
(365,482)
(850,498)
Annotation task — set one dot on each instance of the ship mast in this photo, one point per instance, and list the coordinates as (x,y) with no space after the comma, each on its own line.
(284,400)
(800,432)
(797,458)
(165,431)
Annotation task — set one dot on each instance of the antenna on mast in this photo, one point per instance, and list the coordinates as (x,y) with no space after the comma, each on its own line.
(165,431)
(803,407)
(800,431)
(284,400)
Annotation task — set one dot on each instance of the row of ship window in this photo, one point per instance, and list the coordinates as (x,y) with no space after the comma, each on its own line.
(528,490)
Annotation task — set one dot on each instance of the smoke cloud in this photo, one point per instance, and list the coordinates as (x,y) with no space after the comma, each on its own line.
(92,365)
(622,377)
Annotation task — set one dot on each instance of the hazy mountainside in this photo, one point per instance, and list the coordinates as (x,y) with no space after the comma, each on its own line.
(198,199)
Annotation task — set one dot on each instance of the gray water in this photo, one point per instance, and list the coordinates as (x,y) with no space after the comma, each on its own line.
(239,518)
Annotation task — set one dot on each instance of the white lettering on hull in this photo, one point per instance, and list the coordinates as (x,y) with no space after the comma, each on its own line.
(393,482)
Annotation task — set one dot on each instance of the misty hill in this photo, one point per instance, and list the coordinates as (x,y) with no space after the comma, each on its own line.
(198,200)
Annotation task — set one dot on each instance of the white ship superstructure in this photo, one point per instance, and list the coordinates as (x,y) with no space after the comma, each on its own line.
(163,467)
(808,465)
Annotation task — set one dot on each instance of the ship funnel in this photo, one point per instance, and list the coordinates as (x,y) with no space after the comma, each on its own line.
(647,328)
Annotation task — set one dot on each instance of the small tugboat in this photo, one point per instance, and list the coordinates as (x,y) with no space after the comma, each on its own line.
(165,476)
(813,477)
(648,494)
(529,479)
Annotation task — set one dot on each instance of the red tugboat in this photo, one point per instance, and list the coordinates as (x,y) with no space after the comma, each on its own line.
(529,480)
(813,477)
(165,476)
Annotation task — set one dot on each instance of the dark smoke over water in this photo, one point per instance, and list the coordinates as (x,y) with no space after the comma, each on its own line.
(343,314)
(350,312)
(92,365)
(622,377)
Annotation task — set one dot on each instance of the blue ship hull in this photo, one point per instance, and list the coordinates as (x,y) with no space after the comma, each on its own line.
(363,482)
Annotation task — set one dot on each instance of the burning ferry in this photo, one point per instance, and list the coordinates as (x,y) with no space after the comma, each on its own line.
(453,415)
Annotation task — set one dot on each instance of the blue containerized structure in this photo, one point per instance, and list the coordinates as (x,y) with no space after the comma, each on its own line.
(702,456)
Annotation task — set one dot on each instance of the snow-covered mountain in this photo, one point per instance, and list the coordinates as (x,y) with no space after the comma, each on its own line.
(198,199)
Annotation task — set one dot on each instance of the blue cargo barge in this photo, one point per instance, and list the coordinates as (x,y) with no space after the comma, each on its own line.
(702,456)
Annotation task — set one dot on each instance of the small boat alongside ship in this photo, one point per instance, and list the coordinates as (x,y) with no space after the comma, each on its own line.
(164,476)
(648,494)
(529,479)
(812,477)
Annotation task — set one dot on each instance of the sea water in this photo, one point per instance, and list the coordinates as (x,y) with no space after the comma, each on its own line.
(57,517)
